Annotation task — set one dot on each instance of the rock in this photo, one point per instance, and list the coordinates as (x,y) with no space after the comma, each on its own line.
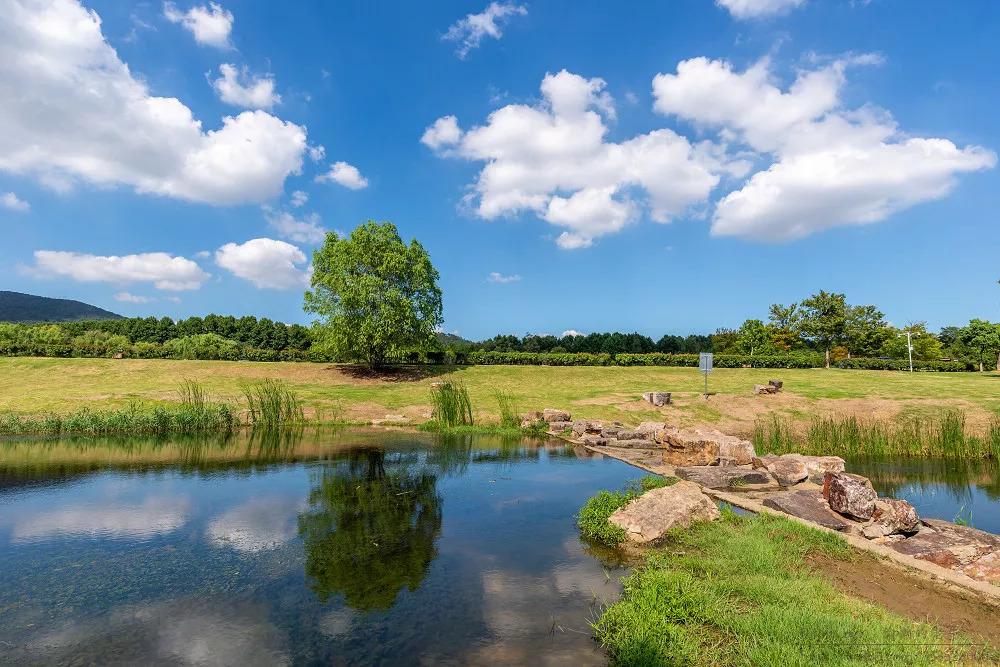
(550,415)
(651,515)
(611,431)
(816,466)
(581,426)
(657,398)
(789,469)
(808,505)
(650,429)
(848,494)
(594,440)
(631,443)
(529,419)
(777,384)
(689,447)
(891,517)
(972,552)
(735,451)
(764,389)
(728,478)
(635,434)
(560,426)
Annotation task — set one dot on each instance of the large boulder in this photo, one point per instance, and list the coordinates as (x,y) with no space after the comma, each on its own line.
(595,440)
(808,505)
(657,398)
(764,389)
(892,517)
(559,427)
(551,415)
(735,451)
(703,447)
(529,419)
(631,443)
(651,515)
(850,495)
(973,552)
(788,469)
(732,478)
(650,429)
(816,466)
(583,427)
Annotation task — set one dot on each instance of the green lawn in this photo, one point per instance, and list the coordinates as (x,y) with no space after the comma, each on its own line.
(33,386)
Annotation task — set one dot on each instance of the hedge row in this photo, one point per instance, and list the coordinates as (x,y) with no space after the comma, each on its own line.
(904,365)
(154,351)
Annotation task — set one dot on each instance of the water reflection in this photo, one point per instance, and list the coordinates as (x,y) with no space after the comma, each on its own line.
(370,528)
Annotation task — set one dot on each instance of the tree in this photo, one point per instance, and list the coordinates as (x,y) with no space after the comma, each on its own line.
(376,296)
(824,321)
(752,336)
(984,339)
(785,323)
(926,346)
(865,330)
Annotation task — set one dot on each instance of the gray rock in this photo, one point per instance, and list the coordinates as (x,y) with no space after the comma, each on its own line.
(551,415)
(657,398)
(630,443)
(764,389)
(892,517)
(650,429)
(789,469)
(972,552)
(851,495)
(735,451)
(777,384)
(594,440)
(651,515)
(808,505)
(611,431)
(703,446)
(635,434)
(559,427)
(721,478)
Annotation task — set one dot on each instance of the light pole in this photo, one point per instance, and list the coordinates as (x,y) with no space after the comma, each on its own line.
(909,347)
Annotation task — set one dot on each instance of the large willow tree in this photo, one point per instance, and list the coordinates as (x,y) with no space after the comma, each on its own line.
(376,296)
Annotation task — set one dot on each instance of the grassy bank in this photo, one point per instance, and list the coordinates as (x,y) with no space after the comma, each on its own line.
(35,386)
(739,591)
(936,436)
(593,516)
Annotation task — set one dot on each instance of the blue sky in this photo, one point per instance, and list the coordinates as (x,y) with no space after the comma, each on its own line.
(665,167)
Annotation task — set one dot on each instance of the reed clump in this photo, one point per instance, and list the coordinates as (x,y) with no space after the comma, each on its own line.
(507,404)
(271,403)
(452,406)
(939,436)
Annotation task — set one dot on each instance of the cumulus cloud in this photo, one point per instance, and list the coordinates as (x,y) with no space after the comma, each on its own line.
(570,332)
(116,519)
(830,166)
(259,524)
(164,271)
(210,25)
(344,174)
(470,31)
(267,263)
(241,89)
(753,9)
(128,297)
(299,198)
(12,202)
(72,111)
(306,229)
(497,277)
(552,160)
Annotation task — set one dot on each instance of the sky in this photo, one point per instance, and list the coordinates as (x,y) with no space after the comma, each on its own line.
(661,167)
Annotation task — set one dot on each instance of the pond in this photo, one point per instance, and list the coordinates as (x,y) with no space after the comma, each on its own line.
(962,491)
(334,548)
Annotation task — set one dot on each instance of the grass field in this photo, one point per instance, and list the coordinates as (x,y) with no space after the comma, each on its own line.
(38,386)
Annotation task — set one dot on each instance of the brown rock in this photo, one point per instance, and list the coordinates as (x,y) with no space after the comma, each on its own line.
(657,398)
(808,505)
(559,427)
(650,429)
(891,517)
(651,515)
(703,446)
(777,384)
(611,431)
(735,451)
(594,440)
(789,469)
(631,443)
(731,478)
(972,552)
(848,494)
(764,389)
(550,415)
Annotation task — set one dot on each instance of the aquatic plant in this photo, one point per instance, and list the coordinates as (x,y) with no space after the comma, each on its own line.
(508,409)
(271,403)
(132,420)
(592,519)
(452,406)
(940,436)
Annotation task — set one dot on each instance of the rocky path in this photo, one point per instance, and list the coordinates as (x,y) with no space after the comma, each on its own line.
(814,490)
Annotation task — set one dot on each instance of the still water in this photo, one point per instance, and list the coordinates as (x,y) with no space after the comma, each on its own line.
(333,548)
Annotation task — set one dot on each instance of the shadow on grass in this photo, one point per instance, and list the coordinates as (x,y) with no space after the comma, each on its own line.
(394,373)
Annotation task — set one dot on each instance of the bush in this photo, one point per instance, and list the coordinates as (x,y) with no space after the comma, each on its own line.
(483,358)
(866,363)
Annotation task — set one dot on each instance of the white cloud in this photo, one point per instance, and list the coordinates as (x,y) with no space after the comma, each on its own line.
(496,277)
(443,133)
(830,166)
(109,519)
(165,271)
(345,174)
(752,9)
(128,297)
(72,111)
(259,524)
(470,31)
(267,263)
(299,198)
(11,202)
(210,25)
(302,230)
(552,160)
(570,332)
(239,88)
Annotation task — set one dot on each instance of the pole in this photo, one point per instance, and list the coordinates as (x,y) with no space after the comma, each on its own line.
(909,348)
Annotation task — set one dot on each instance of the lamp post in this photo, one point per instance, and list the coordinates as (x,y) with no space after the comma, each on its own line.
(909,347)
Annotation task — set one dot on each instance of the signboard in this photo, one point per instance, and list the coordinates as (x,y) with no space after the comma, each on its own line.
(705,362)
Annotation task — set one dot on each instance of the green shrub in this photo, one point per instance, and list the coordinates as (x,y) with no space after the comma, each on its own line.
(452,406)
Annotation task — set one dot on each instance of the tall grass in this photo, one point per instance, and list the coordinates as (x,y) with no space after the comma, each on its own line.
(271,403)
(452,406)
(507,403)
(942,436)
(592,519)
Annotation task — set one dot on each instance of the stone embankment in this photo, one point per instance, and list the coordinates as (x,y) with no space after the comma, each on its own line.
(815,489)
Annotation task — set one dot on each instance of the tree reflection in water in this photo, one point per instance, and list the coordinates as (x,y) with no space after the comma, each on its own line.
(370,528)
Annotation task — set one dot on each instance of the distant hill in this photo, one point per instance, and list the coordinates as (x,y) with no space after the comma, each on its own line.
(17,307)
(447,339)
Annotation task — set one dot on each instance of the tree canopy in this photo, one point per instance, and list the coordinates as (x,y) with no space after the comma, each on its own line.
(377,297)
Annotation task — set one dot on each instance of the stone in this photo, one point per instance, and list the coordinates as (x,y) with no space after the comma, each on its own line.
(788,469)
(650,429)
(972,552)
(742,478)
(808,505)
(550,415)
(631,443)
(635,434)
(611,431)
(816,466)
(891,517)
(777,384)
(848,494)
(559,427)
(580,427)
(688,447)
(657,398)
(764,389)
(648,517)
(528,419)
(735,451)
(594,440)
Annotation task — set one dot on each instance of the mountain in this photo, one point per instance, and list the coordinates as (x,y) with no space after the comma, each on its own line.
(17,307)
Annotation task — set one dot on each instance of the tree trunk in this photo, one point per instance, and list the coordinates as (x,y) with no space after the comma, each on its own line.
(827,355)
